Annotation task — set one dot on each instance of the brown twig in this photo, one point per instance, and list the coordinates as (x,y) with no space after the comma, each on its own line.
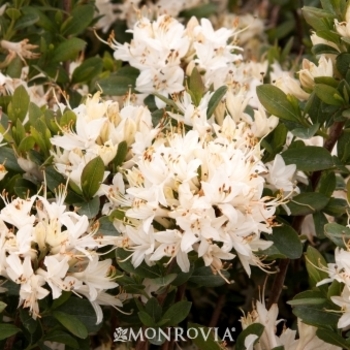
(217,311)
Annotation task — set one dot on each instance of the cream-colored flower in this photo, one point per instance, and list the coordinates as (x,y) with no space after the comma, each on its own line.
(23,48)
(310,71)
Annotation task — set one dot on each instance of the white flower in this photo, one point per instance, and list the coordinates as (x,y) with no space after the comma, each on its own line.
(280,175)
(56,272)
(18,212)
(141,243)
(308,339)
(262,124)
(17,270)
(31,292)
(310,71)
(344,302)
(286,82)
(170,245)
(106,9)
(343,28)
(95,276)
(22,48)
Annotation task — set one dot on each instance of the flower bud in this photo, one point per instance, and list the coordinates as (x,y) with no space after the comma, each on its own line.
(3,171)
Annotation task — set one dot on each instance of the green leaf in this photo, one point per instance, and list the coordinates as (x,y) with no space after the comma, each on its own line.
(335,289)
(309,158)
(26,144)
(287,241)
(13,13)
(68,118)
(164,280)
(92,176)
(121,154)
(315,262)
(72,323)
(308,297)
(314,16)
(81,17)
(204,10)
(120,82)
(62,337)
(319,49)
(307,203)
(336,207)
(106,227)
(82,310)
(327,183)
(330,337)
(216,98)
(61,300)
(338,234)
(7,330)
(196,86)
(89,208)
(88,70)
(343,146)
(68,50)
(53,178)
(34,112)
(320,220)
(255,328)
(18,107)
(276,102)
(329,95)
(203,277)
(177,312)
(205,339)
(27,320)
(26,21)
(146,319)
(7,155)
(153,308)
(317,314)
(306,133)
(343,63)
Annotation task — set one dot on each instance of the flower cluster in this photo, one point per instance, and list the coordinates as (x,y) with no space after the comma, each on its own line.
(43,244)
(164,51)
(199,191)
(100,127)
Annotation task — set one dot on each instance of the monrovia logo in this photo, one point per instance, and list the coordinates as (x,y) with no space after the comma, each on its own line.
(175,333)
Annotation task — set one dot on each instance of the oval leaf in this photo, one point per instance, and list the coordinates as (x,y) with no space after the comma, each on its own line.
(307,203)
(68,50)
(71,323)
(276,102)
(7,330)
(309,158)
(177,312)
(338,234)
(92,177)
(287,241)
(215,100)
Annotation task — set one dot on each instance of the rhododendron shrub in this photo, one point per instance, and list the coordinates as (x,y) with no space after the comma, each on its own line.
(171,166)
